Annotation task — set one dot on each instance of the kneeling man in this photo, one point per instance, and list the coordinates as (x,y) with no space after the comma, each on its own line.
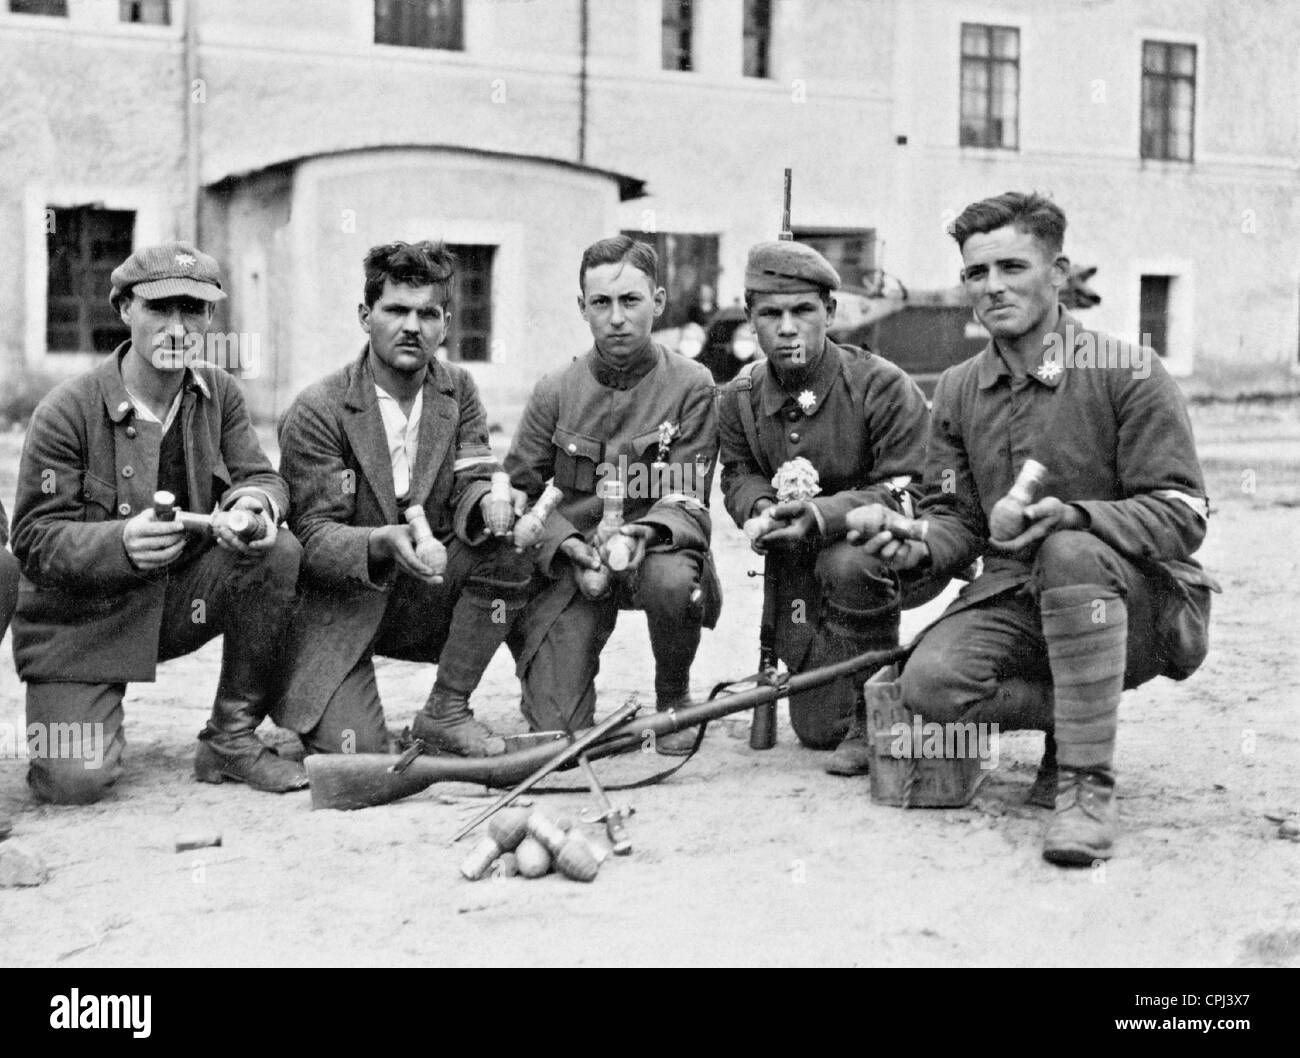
(861,423)
(395,428)
(109,589)
(1088,580)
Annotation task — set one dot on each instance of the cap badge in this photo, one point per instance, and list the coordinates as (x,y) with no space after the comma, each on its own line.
(186,260)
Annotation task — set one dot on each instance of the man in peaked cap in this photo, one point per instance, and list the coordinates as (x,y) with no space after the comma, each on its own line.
(108,590)
(861,423)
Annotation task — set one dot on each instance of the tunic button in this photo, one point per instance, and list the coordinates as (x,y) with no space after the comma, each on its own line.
(123,509)
(793,416)
(572,448)
(128,472)
(130,431)
(794,436)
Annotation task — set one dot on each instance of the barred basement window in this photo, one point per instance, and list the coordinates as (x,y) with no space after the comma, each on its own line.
(59,8)
(148,12)
(677,32)
(421,23)
(990,86)
(469,334)
(1168,100)
(84,247)
(758,37)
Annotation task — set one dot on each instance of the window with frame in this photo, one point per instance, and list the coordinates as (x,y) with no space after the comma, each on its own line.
(1168,100)
(469,332)
(990,86)
(421,23)
(688,264)
(851,251)
(758,37)
(678,28)
(58,8)
(84,245)
(1153,302)
(145,12)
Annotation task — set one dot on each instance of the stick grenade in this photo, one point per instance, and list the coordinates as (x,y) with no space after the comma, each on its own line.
(500,507)
(164,506)
(244,525)
(574,750)
(615,548)
(612,817)
(531,524)
(428,548)
(1007,519)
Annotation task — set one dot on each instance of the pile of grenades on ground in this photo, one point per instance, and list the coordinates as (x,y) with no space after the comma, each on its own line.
(529,844)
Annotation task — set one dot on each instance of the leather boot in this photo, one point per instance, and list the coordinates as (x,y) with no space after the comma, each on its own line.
(853,755)
(446,722)
(1086,628)
(1085,824)
(676,743)
(822,717)
(228,745)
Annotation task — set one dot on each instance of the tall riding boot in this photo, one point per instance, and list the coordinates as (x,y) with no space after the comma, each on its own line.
(255,606)
(228,745)
(1086,628)
(826,716)
(446,722)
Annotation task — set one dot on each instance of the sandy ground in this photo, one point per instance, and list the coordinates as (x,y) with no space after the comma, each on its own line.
(742,858)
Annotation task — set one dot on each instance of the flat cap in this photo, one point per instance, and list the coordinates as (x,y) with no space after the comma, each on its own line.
(786,267)
(170,270)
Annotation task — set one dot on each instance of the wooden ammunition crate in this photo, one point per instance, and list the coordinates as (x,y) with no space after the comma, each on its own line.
(911,781)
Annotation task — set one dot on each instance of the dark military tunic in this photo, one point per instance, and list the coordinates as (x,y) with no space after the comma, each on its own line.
(862,424)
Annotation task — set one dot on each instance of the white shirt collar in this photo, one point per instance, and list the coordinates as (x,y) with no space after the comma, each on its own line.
(403,435)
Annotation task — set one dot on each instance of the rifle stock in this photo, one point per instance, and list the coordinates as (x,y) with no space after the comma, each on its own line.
(362,780)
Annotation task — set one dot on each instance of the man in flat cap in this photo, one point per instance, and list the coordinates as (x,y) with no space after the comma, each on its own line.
(630,415)
(108,589)
(396,428)
(861,423)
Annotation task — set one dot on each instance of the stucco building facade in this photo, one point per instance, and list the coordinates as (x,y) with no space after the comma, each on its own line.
(288,140)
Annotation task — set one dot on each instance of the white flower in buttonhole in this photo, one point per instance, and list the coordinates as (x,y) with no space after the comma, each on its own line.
(807,399)
(796,480)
